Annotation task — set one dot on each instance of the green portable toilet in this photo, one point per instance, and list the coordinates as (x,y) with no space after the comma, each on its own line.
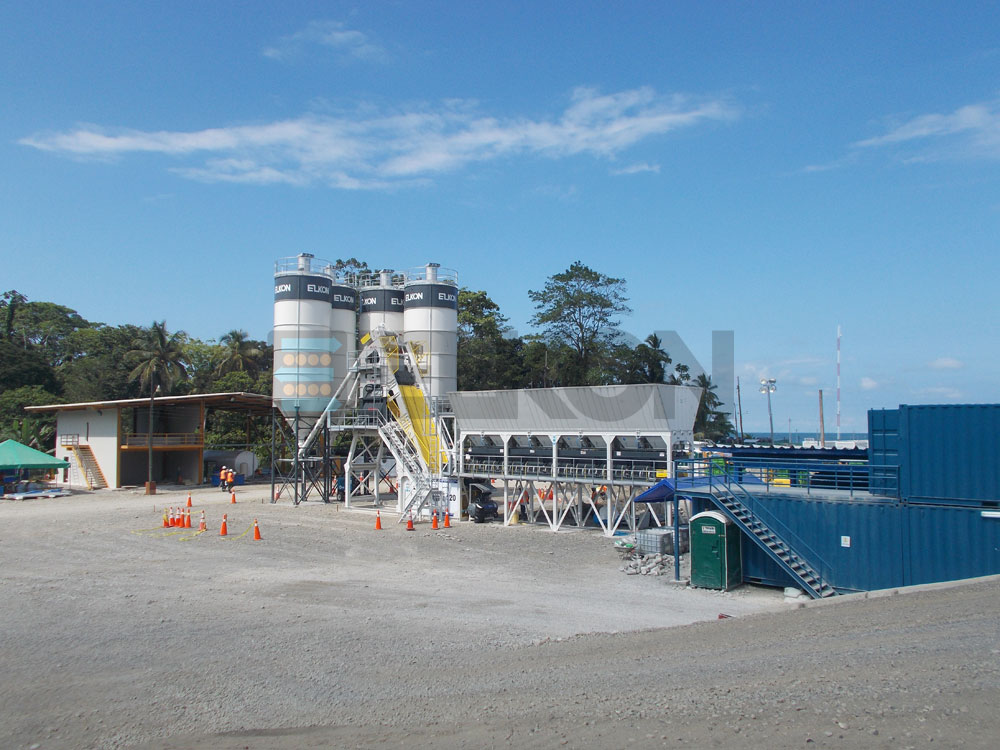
(715,551)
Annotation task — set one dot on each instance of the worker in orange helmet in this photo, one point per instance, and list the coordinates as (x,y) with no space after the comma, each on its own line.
(231,478)
(222,478)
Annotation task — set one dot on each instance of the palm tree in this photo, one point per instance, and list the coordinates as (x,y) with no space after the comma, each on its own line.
(655,359)
(159,358)
(710,421)
(160,362)
(239,354)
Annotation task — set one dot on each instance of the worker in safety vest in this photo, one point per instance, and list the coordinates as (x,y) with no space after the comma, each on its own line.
(231,478)
(222,478)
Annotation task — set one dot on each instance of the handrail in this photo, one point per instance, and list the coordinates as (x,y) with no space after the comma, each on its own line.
(811,475)
(138,440)
(781,529)
(719,476)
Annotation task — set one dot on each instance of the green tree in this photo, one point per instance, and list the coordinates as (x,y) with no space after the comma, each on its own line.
(681,375)
(645,363)
(351,267)
(19,367)
(710,422)
(200,358)
(9,302)
(548,364)
(487,359)
(47,327)
(34,430)
(160,358)
(239,354)
(580,307)
(97,365)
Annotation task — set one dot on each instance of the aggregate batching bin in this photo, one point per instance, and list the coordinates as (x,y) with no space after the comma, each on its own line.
(715,551)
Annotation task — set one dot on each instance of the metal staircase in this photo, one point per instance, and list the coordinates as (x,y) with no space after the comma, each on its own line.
(89,467)
(422,490)
(399,434)
(423,455)
(782,545)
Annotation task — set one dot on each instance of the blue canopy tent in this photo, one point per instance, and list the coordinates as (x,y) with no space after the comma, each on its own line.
(660,492)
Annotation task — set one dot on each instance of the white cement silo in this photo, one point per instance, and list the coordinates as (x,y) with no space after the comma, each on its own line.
(381,305)
(430,325)
(314,323)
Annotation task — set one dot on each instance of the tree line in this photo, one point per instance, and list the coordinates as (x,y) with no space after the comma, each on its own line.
(50,354)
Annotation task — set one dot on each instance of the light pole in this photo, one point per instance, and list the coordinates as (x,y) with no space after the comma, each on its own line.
(150,487)
(769,386)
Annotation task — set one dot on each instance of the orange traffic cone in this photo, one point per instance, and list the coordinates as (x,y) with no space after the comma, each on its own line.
(187,520)
(378,521)
(434,521)
(447,520)
(189,500)
(166,519)
(232,499)
(202,526)
(223,531)
(409,523)
(256,530)
(173,520)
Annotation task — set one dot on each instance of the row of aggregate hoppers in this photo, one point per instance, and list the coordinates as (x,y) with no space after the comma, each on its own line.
(322,315)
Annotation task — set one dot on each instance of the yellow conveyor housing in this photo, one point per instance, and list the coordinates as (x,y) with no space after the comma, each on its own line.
(422,427)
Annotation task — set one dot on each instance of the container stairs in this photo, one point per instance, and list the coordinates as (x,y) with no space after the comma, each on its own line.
(769,533)
(91,470)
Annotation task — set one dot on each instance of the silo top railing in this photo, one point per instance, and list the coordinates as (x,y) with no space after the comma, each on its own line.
(434,275)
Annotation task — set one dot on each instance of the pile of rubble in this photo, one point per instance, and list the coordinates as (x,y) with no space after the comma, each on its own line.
(649,565)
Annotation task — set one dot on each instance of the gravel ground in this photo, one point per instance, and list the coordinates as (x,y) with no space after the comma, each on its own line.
(116,633)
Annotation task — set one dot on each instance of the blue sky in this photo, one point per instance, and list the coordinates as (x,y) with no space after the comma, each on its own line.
(776,169)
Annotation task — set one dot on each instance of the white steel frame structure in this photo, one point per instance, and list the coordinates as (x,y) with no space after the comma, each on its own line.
(562,493)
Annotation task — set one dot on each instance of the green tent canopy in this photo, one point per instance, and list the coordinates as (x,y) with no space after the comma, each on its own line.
(14,455)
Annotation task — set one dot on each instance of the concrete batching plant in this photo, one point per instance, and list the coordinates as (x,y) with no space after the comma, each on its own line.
(372,354)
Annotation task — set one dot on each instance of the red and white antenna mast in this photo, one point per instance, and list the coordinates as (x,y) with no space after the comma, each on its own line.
(838,382)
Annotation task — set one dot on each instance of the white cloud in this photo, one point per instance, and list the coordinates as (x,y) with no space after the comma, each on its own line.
(368,149)
(867,384)
(636,169)
(946,363)
(946,392)
(350,44)
(970,131)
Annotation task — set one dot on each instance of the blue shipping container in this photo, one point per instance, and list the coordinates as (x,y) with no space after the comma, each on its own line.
(945,454)
(879,544)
